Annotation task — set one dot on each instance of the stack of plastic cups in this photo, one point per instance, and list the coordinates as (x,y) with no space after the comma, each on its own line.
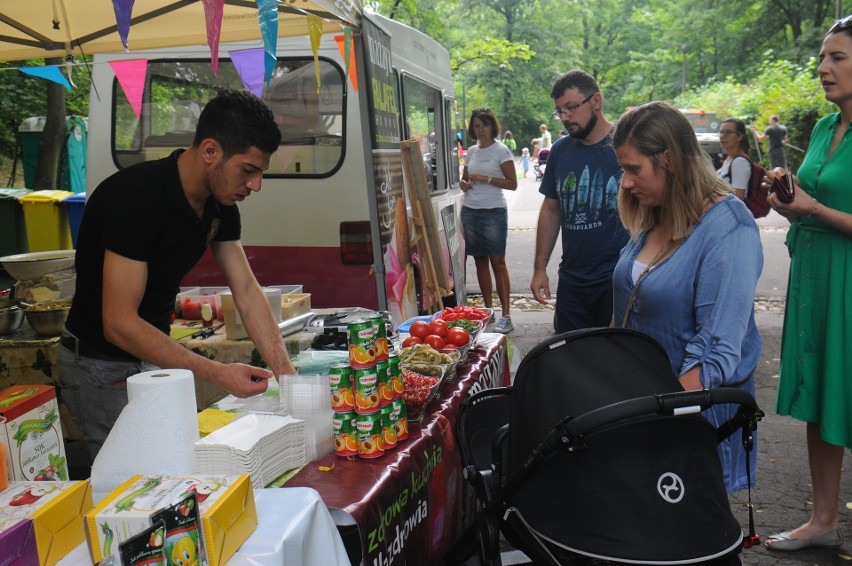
(306,397)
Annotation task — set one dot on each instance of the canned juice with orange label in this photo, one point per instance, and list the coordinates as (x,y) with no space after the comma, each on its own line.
(389,426)
(400,418)
(345,433)
(366,393)
(342,390)
(362,347)
(395,375)
(371,444)
(383,385)
(380,336)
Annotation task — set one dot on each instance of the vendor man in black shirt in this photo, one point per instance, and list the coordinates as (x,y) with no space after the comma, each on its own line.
(143,229)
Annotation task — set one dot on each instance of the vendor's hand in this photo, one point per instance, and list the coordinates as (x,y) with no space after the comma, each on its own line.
(465,185)
(243,380)
(540,286)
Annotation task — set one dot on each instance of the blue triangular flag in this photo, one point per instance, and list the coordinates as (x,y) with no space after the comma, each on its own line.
(51,73)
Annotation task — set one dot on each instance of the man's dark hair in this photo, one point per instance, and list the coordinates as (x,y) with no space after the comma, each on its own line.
(582,81)
(238,120)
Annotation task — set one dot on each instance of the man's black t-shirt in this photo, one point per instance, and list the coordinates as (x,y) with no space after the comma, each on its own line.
(141,213)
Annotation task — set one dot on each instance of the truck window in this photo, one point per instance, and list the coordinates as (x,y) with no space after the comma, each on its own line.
(422,105)
(311,118)
(451,118)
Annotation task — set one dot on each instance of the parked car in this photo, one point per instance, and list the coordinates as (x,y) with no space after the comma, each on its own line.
(706,126)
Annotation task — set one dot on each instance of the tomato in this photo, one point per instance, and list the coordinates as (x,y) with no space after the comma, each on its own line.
(449,348)
(435,341)
(420,329)
(458,336)
(411,341)
(439,327)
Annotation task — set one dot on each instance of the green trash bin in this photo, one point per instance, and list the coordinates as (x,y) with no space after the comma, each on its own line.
(13,234)
(47,220)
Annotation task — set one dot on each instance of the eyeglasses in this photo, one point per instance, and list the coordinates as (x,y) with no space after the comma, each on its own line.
(727,132)
(479,111)
(571,108)
(840,25)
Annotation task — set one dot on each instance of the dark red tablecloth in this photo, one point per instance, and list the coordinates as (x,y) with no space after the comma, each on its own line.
(409,504)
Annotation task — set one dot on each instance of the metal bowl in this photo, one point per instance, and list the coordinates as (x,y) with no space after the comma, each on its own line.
(48,319)
(10,319)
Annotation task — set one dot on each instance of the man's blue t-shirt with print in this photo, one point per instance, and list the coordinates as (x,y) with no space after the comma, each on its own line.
(584,179)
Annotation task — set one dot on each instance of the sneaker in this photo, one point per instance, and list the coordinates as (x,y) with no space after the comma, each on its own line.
(504,325)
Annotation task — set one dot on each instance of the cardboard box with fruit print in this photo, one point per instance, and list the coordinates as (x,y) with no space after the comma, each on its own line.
(55,510)
(33,433)
(226,504)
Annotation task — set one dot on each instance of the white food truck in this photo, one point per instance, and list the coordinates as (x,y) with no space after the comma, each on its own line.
(329,215)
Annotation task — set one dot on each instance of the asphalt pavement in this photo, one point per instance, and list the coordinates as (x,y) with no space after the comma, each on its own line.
(782,496)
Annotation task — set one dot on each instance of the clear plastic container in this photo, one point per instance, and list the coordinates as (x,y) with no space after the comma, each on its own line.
(190,302)
(234,328)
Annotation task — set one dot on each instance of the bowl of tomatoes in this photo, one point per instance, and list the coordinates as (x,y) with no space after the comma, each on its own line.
(439,334)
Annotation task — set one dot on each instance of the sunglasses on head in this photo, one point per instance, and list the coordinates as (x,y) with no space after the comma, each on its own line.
(841,25)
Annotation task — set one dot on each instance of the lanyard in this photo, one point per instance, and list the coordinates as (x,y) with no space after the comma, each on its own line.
(648,268)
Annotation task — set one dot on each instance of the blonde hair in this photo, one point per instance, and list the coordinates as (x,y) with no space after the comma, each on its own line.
(661,132)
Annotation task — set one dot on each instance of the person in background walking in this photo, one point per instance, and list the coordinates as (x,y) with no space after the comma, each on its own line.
(489,170)
(545,137)
(525,161)
(509,141)
(688,274)
(735,171)
(816,346)
(777,135)
(580,186)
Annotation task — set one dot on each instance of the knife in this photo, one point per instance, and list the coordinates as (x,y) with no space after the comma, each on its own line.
(207,332)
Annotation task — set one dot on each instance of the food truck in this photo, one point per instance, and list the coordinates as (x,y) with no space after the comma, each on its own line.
(334,214)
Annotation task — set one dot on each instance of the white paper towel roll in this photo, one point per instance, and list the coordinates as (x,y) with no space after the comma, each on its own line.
(154,433)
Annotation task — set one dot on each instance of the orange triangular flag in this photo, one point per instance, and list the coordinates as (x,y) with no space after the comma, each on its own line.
(351,71)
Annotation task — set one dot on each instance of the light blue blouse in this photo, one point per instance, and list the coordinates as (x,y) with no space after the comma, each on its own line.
(699,304)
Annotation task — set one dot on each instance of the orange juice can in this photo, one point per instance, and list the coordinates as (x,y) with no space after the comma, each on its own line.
(400,418)
(342,389)
(383,384)
(366,390)
(371,444)
(389,426)
(380,336)
(395,375)
(362,347)
(345,434)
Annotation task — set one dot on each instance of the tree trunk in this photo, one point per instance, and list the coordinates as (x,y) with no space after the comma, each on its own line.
(52,139)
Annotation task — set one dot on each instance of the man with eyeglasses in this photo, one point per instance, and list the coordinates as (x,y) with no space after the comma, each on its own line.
(580,186)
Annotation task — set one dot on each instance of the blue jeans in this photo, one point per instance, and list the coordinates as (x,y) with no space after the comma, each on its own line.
(95,392)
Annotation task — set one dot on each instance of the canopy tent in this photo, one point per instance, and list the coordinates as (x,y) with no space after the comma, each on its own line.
(31,29)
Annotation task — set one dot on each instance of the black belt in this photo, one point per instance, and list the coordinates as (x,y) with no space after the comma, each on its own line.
(81,349)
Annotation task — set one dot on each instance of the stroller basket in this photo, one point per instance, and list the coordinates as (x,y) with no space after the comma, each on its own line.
(630,480)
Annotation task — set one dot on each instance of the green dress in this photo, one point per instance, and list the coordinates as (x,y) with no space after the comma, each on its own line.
(816,348)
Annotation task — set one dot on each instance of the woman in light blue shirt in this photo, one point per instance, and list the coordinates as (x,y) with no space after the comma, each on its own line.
(688,274)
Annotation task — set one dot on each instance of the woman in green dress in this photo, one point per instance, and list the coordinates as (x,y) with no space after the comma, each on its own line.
(816,348)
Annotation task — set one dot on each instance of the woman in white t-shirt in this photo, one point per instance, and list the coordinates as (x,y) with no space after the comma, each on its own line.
(736,169)
(489,170)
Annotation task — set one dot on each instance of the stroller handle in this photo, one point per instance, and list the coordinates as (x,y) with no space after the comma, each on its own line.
(667,404)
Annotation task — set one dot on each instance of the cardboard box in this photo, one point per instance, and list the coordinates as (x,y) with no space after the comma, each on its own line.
(18,544)
(228,513)
(56,510)
(33,433)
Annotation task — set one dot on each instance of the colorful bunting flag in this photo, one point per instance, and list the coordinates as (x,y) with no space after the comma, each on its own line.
(344,44)
(50,72)
(123,12)
(213,10)
(131,77)
(249,64)
(267,14)
(315,32)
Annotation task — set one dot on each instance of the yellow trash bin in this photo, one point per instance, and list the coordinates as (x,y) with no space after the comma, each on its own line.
(46,220)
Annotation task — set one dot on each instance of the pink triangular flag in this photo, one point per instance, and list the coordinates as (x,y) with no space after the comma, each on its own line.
(51,73)
(123,12)
(131,77)
(249,64)
(213,14)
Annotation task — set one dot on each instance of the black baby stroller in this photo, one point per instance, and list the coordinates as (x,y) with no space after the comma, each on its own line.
(540,161)
(596,455)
